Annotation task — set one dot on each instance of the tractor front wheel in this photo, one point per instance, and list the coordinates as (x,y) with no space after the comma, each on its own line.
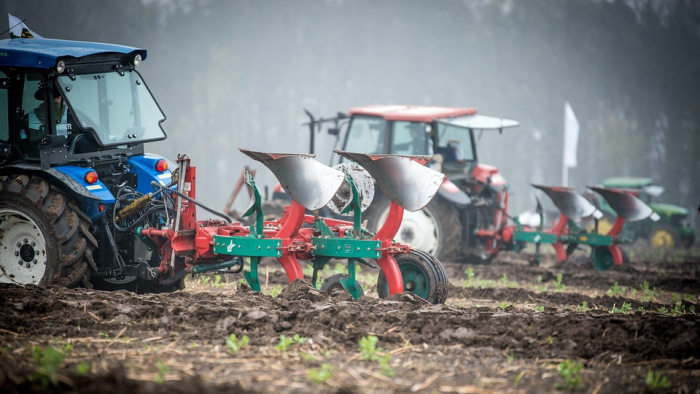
(423,275)
(44,238)
(664,236)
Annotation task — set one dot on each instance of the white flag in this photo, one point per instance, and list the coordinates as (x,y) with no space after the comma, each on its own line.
(571,129)
(19,30)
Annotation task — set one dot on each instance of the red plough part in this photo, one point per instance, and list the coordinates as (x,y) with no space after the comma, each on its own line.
(201,246)
(567,234)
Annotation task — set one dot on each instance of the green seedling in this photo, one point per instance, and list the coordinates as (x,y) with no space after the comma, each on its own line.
(469,282)
(662,310)
(626,308)
(649,292)
(570,371)
(162,370)
(550,340)
(517,379)
(286,342)
(307,356)
(47,362)
(504,305)
(274,291)
(656,381)
(386,369)
(217,281)
(583,307)
(204,280)
(539,308)
(558,286)
(234,344)
(320,376)
(615,289)
(368,348)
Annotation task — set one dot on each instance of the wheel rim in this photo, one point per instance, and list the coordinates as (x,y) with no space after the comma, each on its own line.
(662,239)
(415,280)
(22,249)
(418,229)
(603,259)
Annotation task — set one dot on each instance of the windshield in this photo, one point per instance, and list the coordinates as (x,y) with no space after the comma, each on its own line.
(454,143)
(119,108)
(366,135)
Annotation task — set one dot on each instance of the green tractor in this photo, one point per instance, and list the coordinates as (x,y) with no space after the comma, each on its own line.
(672,230)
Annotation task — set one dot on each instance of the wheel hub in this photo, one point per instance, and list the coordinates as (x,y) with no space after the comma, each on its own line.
(27,253)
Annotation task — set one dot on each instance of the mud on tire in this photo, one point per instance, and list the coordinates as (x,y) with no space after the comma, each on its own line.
(48,227)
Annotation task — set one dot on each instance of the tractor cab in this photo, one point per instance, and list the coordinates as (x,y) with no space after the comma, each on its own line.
(447,134)
(68,101)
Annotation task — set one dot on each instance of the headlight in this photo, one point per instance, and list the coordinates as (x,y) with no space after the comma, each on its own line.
(60,66)
(137,60)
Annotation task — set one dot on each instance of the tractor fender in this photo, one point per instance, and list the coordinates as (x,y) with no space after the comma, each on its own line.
(71,180)
(453,194)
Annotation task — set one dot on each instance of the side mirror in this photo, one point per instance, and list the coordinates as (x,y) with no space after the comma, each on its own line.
(333,131)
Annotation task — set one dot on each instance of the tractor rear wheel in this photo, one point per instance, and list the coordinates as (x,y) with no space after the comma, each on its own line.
(44,238)
(423,275)
(333,283)
(434,229)
(664,236)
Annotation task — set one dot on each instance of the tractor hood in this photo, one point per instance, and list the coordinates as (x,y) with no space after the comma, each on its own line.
(668,209)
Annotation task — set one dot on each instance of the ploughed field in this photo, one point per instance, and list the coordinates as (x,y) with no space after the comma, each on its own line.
(507,326)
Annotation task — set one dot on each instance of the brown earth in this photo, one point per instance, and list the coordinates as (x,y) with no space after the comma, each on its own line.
(507,326)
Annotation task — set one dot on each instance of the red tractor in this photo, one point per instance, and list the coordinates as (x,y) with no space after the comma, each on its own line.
(468,216)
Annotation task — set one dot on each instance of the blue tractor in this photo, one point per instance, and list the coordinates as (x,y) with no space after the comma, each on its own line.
(74,117)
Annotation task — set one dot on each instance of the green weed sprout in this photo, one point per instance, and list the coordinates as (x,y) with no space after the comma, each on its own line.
(570,371)
(368,348)
(656,381)
(234,344)
(320,376)
(558,286)
(583,307)
(274,291)
(162,370)
(286,342)
(47,362)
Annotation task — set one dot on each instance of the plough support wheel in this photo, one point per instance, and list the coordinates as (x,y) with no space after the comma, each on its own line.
(602,258)
(423,275)
(340,281)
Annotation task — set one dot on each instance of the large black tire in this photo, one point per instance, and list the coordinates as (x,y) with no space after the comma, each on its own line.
(434,229)
(664,236)
(44,231)
(333,283)
(423,275)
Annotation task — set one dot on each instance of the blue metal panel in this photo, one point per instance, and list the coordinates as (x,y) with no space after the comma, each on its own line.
(145,168)
(98,192)
(44,53)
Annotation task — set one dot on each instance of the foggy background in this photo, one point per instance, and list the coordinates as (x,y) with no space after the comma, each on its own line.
(239,74)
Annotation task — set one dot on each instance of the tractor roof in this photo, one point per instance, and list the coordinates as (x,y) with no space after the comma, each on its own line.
(44,53)
(628,182)
(413,113)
